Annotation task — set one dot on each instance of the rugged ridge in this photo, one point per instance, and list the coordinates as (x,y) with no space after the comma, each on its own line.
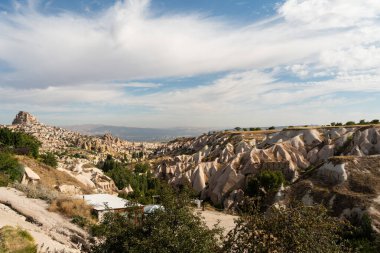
(77,154)
(57,139)
(217,165)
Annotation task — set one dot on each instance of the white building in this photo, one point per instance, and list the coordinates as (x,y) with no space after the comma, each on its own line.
(103,203)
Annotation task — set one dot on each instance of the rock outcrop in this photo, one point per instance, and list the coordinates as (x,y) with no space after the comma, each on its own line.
(57,139)
(217,165)
(24,118)
(78,153)
(52,232)
(348,185)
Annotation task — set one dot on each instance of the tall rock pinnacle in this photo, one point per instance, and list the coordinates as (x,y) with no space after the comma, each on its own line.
(24,118)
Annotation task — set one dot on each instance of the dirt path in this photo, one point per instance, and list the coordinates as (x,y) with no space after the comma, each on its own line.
(212,217)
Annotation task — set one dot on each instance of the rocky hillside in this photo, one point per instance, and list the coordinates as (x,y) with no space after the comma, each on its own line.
(77,154)
(56,139)
(218,165)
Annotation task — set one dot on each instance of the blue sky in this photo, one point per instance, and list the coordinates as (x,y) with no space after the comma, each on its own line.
(167,63)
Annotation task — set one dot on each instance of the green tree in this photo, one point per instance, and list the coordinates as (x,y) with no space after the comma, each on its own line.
(293,229)
(10,169)
(265,181)
(142,167)
(110,164)
(375,121)
(19,142)
(361,235)
(350,123)
(271,128)
(49,159)
(174,228)
(122,177)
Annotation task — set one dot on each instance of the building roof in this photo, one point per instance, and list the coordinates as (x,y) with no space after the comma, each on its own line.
(102,202)
(31,174)
(152,208)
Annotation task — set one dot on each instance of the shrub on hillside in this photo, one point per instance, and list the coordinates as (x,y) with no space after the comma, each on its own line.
(109,164)
(350,123)
(174,228)
(142,167)
(265,181)
(19,142)
(255,129)
(16,240)
(10,169)
(77,209)
(37,191)
(361,236)
(294,229)
(49,159)
(143,183)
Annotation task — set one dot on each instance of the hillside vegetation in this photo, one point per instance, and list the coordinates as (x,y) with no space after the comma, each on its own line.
(16,240)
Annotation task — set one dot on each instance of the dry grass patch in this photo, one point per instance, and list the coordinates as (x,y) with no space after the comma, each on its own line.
(50,177)
(37,191)
(88,166)
(16,240)
(77,209)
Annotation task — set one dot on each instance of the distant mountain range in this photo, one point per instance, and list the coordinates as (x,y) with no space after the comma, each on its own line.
(138,134)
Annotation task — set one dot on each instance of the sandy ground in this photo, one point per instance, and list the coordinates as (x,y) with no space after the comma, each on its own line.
(51,231)
(212,217)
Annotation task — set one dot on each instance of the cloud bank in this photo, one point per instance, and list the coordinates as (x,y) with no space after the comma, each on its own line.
(311,55)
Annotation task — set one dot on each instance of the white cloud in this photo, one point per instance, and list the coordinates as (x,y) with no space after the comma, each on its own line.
(325,14)
(245,98)
(142,85)
(69,62)
(129,42)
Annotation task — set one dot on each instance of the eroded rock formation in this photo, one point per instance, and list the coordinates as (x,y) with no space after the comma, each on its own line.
(218,165)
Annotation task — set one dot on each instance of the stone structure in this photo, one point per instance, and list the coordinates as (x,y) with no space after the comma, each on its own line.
(29,177)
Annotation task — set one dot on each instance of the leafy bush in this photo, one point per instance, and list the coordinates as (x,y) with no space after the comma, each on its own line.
(109,164)
(37,191)
(175,228)
(20,143)
(294,229)
(49,159)
(142,167)
(80,221)
(269,181)
(144,185)
(10,169)
(350,123)
(361,235)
